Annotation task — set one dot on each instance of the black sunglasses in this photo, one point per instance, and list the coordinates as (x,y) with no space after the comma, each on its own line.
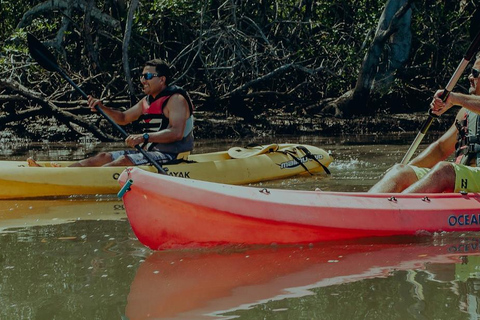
(149,75)
(475,73)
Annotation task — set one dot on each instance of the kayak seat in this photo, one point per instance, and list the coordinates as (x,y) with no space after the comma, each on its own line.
(251,150)
(183,155)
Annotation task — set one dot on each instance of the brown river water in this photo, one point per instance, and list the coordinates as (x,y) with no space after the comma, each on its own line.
(77,258)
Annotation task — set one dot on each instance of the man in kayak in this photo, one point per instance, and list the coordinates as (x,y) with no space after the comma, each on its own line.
(166,113)
(429,172)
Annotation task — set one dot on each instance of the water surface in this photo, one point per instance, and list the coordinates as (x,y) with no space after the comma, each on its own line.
(77,258)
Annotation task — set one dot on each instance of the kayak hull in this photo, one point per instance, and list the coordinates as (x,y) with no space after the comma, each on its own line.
(17,180)
(190,213)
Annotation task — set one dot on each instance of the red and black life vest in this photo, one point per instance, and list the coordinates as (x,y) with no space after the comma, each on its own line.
(153,119)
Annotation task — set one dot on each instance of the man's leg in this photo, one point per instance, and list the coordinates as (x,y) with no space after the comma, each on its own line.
(98,160)
(440,179)
(135,158)
(95,161)
(121,161)
(397,179)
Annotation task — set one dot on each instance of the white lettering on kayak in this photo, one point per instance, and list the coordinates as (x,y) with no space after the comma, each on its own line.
(464,220)
(294,163)
(185,174)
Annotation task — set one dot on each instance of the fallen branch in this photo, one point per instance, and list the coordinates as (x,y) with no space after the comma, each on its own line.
(61,115)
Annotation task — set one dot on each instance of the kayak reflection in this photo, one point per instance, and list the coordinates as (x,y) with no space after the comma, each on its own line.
(17,214)
(193,285)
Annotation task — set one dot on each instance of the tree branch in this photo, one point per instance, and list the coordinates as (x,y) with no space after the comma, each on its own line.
(62,116)
(61,5)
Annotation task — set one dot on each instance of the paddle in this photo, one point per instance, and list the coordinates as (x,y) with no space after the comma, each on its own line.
(46,59)
(453,81)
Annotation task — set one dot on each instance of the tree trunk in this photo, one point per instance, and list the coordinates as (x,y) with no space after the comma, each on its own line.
(126,43)
(376,74)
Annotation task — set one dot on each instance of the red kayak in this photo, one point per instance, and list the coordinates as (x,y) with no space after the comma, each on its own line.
(168,212)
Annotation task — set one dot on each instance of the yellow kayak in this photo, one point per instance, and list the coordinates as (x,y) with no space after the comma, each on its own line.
(234,166)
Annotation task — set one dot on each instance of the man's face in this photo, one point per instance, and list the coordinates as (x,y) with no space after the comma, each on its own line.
(474,85)
(154,85)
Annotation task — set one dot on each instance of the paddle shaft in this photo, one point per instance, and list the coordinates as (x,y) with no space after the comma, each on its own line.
(450,85)
(46,60)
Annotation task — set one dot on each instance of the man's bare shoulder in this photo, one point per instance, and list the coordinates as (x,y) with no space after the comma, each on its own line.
(177,97)
(176,101)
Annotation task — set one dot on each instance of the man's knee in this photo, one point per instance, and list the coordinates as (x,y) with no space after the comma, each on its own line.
(440,179)
(121,161)
(396,179)
(443,168)
(97,160)
(399,170)
(107,156)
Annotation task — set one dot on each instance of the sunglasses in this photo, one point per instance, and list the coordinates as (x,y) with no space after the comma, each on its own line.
(475,73)
(149,75)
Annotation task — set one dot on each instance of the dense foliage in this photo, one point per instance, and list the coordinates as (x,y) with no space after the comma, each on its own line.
(242,58)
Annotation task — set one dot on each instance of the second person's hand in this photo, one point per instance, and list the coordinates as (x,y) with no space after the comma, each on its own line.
(438,106)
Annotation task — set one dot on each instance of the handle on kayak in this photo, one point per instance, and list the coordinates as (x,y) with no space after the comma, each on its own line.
(125,188)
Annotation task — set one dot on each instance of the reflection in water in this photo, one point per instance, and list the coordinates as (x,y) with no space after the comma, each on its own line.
(15,213)
(355,278)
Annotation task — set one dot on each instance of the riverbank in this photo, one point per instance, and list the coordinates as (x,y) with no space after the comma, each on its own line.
(211,125)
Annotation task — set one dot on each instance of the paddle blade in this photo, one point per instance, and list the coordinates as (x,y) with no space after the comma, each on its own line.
(41,54)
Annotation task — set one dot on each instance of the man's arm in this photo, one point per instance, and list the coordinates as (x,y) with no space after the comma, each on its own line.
(467,101)
(177,112)
(120,117)
(441,149)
